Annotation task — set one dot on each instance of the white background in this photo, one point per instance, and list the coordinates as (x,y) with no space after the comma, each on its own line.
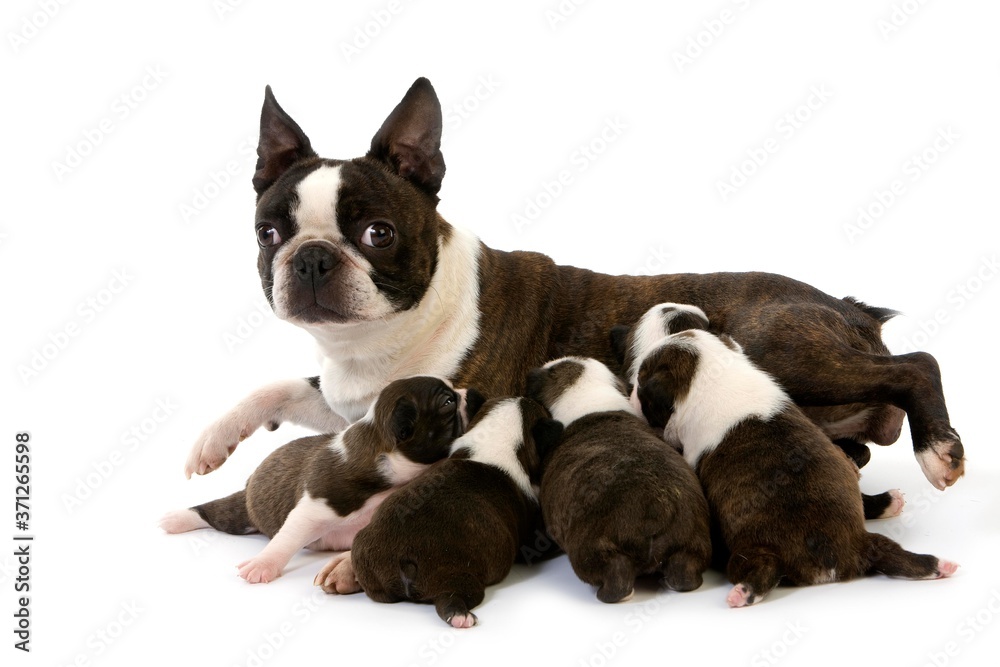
(191,289)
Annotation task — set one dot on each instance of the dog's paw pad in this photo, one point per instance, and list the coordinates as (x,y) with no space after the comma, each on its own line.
(258,571)
(946,568)
(337,576)
(466,620)
(740,596)
(895,507)
(943,462)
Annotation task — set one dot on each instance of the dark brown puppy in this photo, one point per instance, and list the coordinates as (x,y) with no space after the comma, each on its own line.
(618,500)
(319,491)
(456,529)
(786,501)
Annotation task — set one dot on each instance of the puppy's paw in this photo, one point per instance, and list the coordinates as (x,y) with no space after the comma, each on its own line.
(741,596)
(945,568)
(337,576)
(943,461)
(466,620)
(181,521)
(259,570)
(895,507)
(216,443)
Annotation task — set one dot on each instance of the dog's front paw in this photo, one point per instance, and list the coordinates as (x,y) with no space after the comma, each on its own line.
(215,444)
(259,570)
(943,461)
(337,576)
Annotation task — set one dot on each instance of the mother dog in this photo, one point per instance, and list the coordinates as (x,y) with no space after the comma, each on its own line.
(355,253)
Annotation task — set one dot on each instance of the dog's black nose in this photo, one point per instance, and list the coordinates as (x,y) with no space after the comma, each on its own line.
(313,264)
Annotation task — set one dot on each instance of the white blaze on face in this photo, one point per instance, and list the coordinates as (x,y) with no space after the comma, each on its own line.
(315,216)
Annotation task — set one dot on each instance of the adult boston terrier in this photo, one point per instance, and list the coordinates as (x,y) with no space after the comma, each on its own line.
(615,497)
(456,529)
(320,491)
(355,252)
(784,498)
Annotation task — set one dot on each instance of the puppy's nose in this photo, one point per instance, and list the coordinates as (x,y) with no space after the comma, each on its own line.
(313,264)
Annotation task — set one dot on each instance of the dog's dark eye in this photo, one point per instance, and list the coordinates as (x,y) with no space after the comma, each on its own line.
(379,235)
(267,236)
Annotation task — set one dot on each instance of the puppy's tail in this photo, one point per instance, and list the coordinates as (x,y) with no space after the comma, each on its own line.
(228,515)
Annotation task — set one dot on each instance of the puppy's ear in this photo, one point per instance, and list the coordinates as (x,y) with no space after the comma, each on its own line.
(619,342)
(473,402)
(546,433)
(535,385)
(403,420)
(664,380)
(657,402)
(282,143)
(409,141)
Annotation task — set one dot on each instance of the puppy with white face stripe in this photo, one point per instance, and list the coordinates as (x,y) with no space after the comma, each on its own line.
(318,492)
(633,344)
(619,502)
(458,528)
(784,497)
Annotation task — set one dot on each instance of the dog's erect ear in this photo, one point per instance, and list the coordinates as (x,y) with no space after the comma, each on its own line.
(409,140)
(282,143)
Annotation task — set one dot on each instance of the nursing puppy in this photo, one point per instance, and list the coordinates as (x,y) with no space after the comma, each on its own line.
(618,500)
(631,344)
(785,499)
(456,529)
(320,491)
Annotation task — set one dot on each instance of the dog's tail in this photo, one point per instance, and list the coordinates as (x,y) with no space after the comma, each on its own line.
(883,315)
(228,515)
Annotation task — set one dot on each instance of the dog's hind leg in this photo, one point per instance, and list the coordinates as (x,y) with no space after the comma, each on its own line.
(683,570)
(755,573)
(825,360)
(615,578)
(884,556)
(228,515)
(454,606)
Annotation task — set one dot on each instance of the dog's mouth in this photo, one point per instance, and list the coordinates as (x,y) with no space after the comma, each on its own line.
(317,313)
